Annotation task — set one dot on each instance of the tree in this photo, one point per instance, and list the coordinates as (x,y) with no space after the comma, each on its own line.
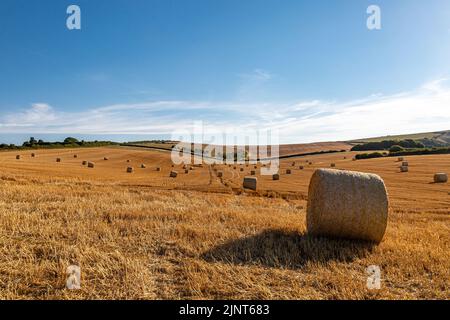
(70,140)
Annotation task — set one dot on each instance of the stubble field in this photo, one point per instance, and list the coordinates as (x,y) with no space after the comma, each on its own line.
(144,235)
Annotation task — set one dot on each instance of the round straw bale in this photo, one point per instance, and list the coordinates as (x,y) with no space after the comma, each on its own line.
(250,183)
(128,160)
(333,165)
(253,172)
(276,176)
(173,174)
(301,167)
(130,170)
(440,177)
(347,204)
(405,163)
(143,166)
(18,157)
(404,169)
(84,163)
(75,156)
(400,159)
(33,155)
(91,165)
(58,159)
(105,158)
(288,171)
(293,164)
(242,169)
(186,171)
(310,163)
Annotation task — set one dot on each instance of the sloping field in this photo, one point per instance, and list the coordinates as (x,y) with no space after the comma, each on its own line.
(148,236)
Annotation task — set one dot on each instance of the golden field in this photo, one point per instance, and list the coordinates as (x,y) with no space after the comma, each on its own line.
(145,235)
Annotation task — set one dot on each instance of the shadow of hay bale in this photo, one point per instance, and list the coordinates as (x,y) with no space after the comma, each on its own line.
(291,250)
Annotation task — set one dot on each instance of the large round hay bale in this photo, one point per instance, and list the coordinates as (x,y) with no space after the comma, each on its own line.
(276,176)
(33,155)
(333,165)
(105,158)
(404,169)
(347,204)
(84,163)
(91,165)
(440,177)
(253,172)
(75,156)
(301,167)
(186,171)
(293,164)
(143,166)
(242,169)
(130,170)
(58,159)
(173,174)
(288,171)
(250,183)
(158,169)
(405,163)
(18,157)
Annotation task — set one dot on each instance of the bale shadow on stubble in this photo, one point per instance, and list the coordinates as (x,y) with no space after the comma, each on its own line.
(290,250)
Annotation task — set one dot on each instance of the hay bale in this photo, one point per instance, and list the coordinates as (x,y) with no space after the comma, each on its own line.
(18,157)
(186,171)
(400,159)
(158,169)
(310,163)
(191,168)
(405,163)
(58,159)
(84,163)
(288,171)
(404,169)
(105,158)
(293,164)
(33,155)
(220,174)
(130,170)
(242,169)
(253,172)
(347,204)
(173,174)
(143,166)
(128,160)
(276,176)
(333,165)
(250,183)
(301,167)
(440,177)
(91,165)
(75,156)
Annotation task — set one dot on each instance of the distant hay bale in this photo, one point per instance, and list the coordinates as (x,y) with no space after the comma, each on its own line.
(33,155)
(310,163)
(293,164)
(130,170)
(345,158)
(440,177)
(220,174)
(347,204)
(186,171)
(143,166)
(404,169)
(58,159)
(301,167)
(105,158)
(158,169)
(333,165)
(18,157)
(75,156)
(84,163)
(253,172)
(255,167)
(242,169)
(91,165)
(250,183)
(191,168)
(234,168)
(173,174)
(400,159)
(288,171)
(276,176)
(405,163)
(128,160)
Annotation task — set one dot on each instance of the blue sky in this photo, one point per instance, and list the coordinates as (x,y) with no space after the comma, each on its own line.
(312,69)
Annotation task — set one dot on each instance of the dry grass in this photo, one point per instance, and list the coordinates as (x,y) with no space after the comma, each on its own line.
(147,236)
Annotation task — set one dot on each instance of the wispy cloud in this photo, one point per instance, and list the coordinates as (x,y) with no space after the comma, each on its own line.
(424,109)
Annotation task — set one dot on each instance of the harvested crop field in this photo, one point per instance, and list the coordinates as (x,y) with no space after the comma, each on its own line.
(145,235)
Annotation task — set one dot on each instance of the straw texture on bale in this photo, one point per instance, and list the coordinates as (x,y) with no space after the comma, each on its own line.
(250,183)
(347,204)
(440,177)
(129,169)
(404,169)
(91,165)
(276,176)
(173,174)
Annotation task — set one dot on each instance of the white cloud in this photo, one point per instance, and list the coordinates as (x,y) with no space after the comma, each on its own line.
(424,109)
